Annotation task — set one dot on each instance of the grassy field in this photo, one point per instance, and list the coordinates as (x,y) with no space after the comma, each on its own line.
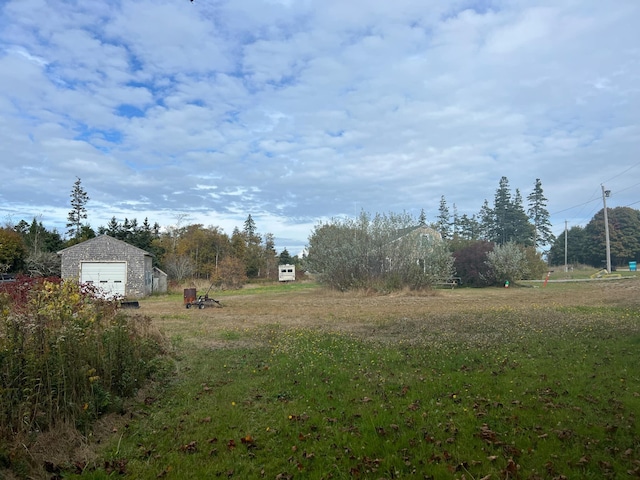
(293,381)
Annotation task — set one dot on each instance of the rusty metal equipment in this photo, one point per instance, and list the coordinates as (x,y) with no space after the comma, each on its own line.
(192,299)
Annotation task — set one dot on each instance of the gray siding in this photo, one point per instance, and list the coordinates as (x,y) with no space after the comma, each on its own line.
(108,249)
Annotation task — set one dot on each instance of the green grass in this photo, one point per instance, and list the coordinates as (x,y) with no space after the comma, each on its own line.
(552,394)
(250,289)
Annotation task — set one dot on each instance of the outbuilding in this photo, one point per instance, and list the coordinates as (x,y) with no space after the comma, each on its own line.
(116,267)
(287,273)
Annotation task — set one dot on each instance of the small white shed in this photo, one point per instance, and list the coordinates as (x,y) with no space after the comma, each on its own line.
(286,273)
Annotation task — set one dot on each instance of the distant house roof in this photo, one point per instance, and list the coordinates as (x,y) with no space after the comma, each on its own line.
(107,242)
(421,230)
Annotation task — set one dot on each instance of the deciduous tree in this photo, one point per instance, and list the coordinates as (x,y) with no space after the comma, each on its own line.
(624,236)
(12,251)
(384,251)
(471,264)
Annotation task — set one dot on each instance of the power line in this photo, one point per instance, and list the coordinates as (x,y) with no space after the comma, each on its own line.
(596,198)
(627,188)
(576,206)
(616,176)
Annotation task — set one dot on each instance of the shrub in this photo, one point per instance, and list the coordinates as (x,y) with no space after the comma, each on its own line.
(384,250)
(471,266)
(508,262)
(66,355)
(536,266)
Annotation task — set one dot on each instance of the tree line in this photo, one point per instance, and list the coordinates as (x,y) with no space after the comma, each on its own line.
(505,221)
(587,245)
(503,242)
(193,250)
(182,250)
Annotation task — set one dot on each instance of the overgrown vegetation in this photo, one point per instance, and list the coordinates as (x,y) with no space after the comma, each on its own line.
(66,357)
(382,252)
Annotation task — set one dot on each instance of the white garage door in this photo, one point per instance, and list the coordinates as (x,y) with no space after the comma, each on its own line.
(110,277)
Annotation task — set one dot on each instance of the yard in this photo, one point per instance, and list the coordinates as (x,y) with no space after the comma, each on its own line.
(293,381)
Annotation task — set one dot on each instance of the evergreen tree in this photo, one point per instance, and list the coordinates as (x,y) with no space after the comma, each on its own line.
(510,222)
(144,235)
(576,241)
(486,222)
(112,229)
(422,219)
(502,207)
(250,231)
(78,213)
(270,255)
(522,231)
(443,223)
(253,259)
(456,221)
(540,217)
(285,258)
(468,227)
(34,235)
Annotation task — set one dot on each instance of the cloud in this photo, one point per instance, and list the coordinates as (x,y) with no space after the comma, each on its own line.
(296,111)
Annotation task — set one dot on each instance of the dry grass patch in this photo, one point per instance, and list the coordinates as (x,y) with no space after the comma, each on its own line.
(245,313)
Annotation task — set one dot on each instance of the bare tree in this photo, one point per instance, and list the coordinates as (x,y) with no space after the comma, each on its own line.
(179,267)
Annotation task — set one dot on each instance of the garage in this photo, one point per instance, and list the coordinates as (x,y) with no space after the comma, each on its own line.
(114,266)
(110,277)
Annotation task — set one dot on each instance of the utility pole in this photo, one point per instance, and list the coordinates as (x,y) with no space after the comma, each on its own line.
(605,194)
(566,269)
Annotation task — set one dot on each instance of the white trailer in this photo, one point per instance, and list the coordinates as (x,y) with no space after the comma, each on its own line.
(286,273)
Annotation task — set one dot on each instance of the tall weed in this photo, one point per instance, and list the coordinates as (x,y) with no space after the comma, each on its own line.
(66,356)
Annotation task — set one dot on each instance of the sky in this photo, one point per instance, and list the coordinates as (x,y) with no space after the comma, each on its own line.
(299,111)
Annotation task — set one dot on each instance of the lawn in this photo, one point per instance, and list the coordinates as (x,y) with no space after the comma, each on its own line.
(294,381)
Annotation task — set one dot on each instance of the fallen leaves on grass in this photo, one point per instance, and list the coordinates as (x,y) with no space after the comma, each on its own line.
(191,447)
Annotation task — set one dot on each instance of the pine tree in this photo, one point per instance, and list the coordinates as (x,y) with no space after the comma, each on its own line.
(250,232)
(443,223)
(539,215)
(112,229)
(486,222)
(469,227)
(502,206)
(285,257)
(511,223)
(455,224)
(270,255)
(253,256)
(422,219)
(78,213)
(523,232)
